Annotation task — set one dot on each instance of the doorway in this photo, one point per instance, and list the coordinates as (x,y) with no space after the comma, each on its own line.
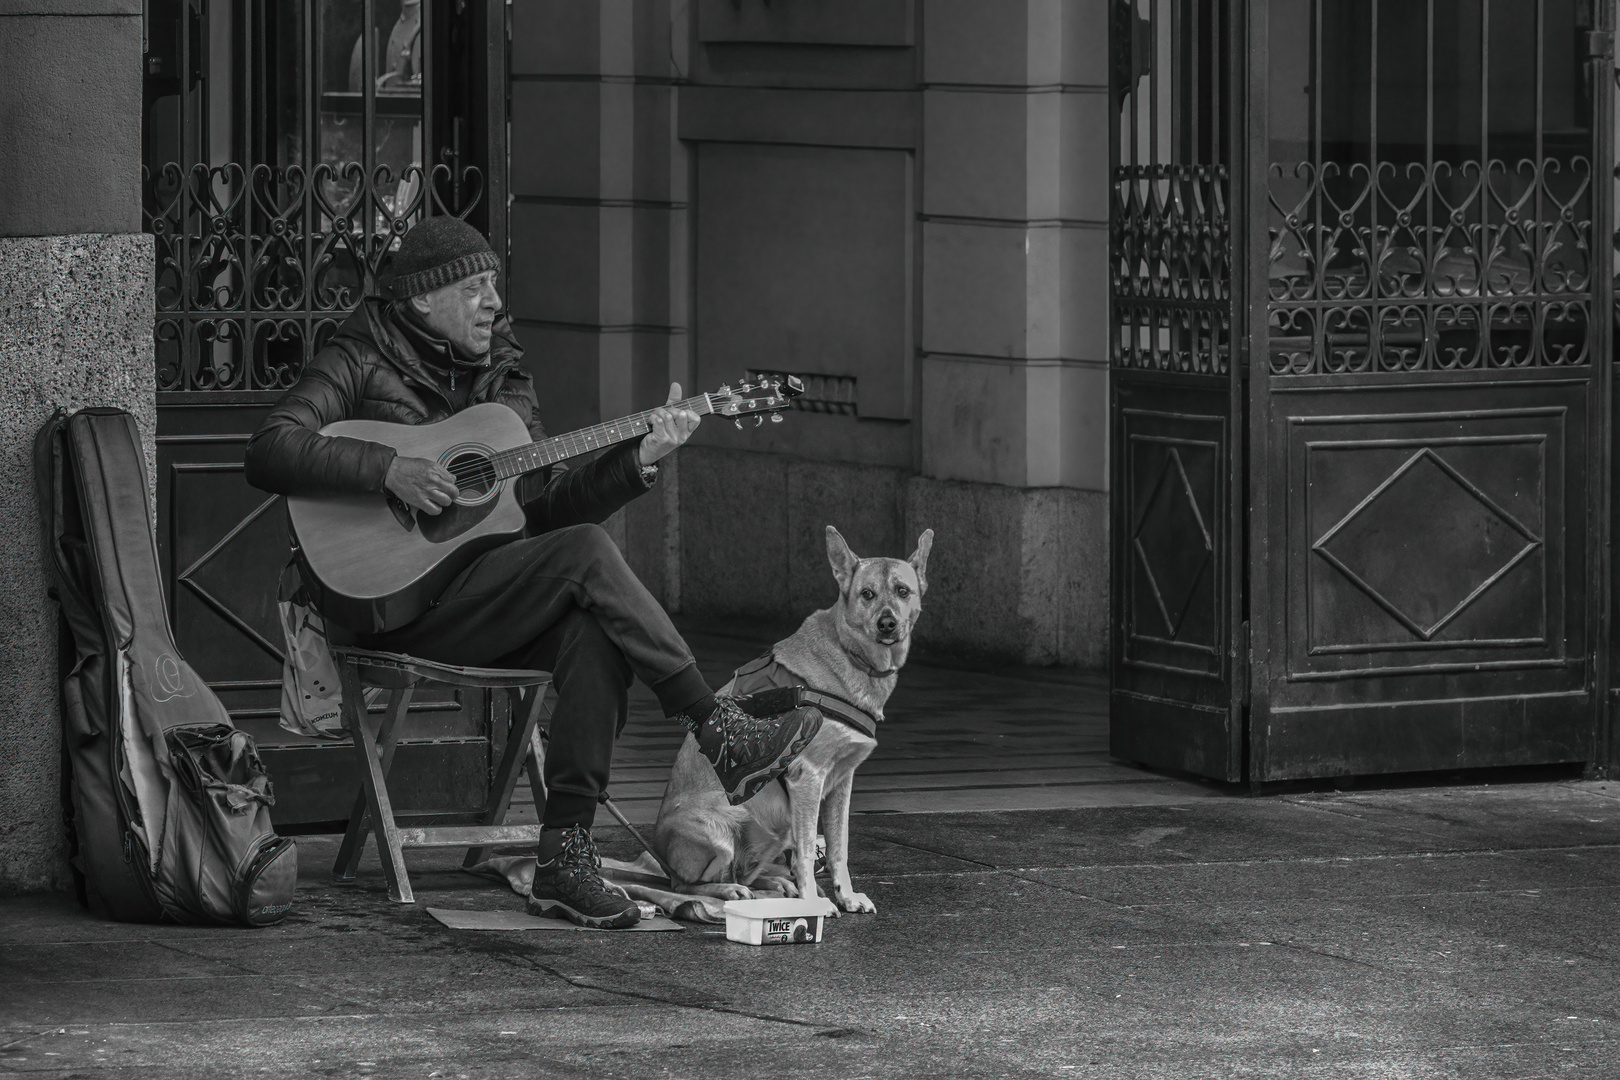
(287,147)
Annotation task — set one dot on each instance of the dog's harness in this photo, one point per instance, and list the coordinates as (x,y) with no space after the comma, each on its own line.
(766,673)
(871,671)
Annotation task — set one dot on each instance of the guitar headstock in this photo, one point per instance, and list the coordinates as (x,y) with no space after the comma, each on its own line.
(757,398)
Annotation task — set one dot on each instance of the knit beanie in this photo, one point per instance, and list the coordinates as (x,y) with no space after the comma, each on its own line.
(437,251)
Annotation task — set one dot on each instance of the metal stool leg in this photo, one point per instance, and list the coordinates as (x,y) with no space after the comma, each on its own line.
(354,839)
(535,766)
(519,738)
(374,755)
(376,793)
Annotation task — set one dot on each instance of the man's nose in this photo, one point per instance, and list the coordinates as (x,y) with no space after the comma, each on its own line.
(887,621)
(492,297)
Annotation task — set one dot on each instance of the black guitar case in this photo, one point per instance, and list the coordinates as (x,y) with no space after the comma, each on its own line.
(169,803)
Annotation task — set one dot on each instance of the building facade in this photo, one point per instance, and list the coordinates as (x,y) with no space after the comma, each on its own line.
(903,204)
(1258,351)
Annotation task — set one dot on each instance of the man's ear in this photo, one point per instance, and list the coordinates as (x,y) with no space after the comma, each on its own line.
(919,559)
(419,304)
(843,560)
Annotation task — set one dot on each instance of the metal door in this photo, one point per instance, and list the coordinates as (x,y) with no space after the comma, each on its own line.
(1431,300)
(1177,384)
(287,146)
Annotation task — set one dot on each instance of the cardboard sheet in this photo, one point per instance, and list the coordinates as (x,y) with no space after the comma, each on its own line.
(457,919)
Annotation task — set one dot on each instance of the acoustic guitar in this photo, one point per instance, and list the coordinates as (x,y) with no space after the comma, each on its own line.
(373,563)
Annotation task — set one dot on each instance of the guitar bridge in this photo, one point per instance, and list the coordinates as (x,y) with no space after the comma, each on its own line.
(402,513)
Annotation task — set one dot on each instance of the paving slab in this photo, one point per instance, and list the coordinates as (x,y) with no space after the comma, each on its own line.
(1413,933)
(1340,878)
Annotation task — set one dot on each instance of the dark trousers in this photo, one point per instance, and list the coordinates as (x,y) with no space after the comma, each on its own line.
(564,602)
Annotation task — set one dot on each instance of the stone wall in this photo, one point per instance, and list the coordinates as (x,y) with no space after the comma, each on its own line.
(597,223)
(910,194)
(1015,574)
(75,331)
(70,116)
(76,280)
(1002,444)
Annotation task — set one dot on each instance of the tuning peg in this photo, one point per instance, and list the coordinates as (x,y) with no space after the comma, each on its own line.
(758,419)
(738,422)
(776,418)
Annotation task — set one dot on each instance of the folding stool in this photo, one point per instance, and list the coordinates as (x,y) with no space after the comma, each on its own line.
(373,808)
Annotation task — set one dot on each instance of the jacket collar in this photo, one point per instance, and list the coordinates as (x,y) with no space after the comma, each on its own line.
(436,353)
(417,353)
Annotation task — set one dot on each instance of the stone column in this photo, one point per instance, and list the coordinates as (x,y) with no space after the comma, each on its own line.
(597,226)
(1014,327)
(76,303)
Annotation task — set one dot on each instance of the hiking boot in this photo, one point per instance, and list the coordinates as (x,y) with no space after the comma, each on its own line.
(749,751)
(570,885)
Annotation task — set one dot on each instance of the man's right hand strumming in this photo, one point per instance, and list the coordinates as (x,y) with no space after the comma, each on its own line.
(421,484)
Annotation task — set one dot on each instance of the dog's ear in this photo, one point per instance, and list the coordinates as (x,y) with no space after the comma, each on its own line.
(843,560)
(919,559)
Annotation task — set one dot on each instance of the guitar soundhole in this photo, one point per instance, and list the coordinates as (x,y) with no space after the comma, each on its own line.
(474,474)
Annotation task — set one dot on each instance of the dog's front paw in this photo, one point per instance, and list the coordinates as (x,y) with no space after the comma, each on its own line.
(720,890)
(856,903)
(785,886)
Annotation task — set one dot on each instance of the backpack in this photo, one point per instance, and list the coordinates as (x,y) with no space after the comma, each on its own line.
(168,804)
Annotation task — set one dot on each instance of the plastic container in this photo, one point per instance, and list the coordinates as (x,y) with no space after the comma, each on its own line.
(785,921)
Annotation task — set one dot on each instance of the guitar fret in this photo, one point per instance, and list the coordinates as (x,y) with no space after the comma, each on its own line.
(519,460)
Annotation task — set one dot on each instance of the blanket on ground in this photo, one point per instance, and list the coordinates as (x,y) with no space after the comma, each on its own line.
(638,880)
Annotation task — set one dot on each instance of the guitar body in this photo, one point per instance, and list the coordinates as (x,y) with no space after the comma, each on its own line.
(373,563)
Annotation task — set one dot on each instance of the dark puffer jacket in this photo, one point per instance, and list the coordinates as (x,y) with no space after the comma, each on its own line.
(374,368)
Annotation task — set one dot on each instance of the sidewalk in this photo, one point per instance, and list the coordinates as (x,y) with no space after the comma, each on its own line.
(1415,932)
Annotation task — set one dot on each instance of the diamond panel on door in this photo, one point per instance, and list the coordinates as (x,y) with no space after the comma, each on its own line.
(1435,548)
(229,543)
(1173,474)
(1433,545)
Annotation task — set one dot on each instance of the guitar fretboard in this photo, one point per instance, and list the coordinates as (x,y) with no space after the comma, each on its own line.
(537,455)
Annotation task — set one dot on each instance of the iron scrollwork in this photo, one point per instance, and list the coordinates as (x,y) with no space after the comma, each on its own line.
(1429,267)
(1171,268)
(258,265)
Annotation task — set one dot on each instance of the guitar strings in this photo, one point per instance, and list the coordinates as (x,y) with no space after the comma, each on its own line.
(474,472)
(519,459)
(505,463)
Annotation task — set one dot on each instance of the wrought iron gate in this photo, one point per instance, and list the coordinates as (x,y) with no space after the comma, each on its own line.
(1431,402)
(288,146)
(1423,279)
(1176,388)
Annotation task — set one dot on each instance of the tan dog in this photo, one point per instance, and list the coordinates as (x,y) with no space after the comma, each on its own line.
(849,656)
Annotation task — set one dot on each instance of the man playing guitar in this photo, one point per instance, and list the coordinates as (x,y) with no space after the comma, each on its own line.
(561,598)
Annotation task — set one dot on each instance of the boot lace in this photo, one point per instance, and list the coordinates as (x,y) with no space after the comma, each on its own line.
(578,855)
(744,736)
